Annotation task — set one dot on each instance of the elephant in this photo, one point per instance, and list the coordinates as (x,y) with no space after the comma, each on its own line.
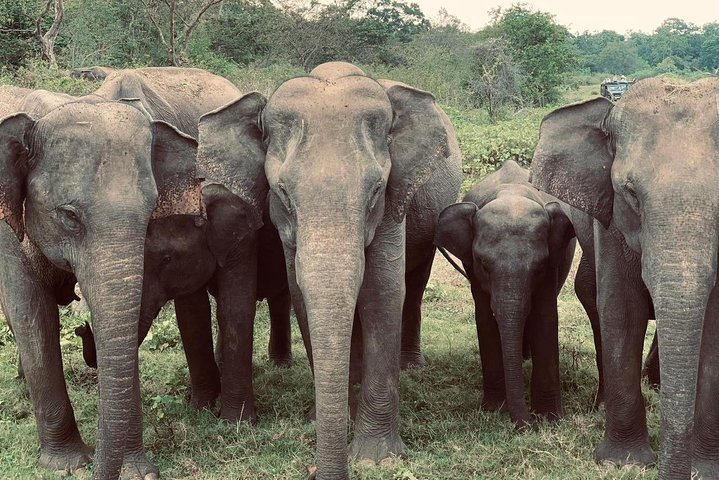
(345,159)
(60,228)
(10,98)
(93,74)
(516,245)
(182,257)
(180,96)
(645,171)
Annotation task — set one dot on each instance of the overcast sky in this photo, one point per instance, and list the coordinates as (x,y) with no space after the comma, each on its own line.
(580,15)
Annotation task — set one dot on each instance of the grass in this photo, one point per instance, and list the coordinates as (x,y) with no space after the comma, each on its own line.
(447,435)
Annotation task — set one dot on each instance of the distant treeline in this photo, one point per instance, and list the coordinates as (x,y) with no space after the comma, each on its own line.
(523,58)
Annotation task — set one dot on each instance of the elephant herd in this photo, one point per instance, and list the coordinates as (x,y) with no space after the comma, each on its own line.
(330,197)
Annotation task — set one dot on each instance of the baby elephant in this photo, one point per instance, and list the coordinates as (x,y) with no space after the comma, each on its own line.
(184,256)
(516,244)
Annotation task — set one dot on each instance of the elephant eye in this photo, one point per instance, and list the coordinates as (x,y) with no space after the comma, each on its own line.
(632,197)
(69,218)
(166,259)
(376,192)
(284,196)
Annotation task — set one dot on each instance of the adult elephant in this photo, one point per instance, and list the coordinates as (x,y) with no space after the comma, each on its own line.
(10,98)
(93,74)
(516,244)
(60,228)
(180,96)
(646,170)
(345,157)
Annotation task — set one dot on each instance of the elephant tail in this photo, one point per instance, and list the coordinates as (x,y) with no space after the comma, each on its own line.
(453,263)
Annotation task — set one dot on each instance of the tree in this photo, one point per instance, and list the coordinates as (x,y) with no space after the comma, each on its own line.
(677,39)
(17,30)
(542,48)
(619,58)
(175,21)
(47,39)
(709,49)
(494,77)
(590,45)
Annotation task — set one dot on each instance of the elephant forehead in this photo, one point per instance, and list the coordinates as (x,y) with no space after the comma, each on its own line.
(512,214)
(349,96)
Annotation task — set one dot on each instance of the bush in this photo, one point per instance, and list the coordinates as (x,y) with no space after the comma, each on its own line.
(485,147)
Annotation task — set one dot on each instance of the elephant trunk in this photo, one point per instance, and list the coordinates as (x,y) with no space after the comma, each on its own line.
(680,277)
(511,311)
(111,280)
(330,269)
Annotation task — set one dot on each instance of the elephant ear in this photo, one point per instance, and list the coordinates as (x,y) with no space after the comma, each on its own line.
(422,140)
(455,230)
(561,231)
(173,165)
(232,153)
(14,167)
(573,161)
(229,220)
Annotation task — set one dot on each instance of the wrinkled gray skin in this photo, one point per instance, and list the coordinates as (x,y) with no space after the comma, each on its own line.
(182,257)
(90,230)
(646,170)
(340,191)
(93,74)
(516,245)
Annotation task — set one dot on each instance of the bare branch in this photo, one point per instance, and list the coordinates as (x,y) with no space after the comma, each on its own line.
(185,39)
(154,21)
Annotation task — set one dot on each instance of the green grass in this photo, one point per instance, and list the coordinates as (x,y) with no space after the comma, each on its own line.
(447,435)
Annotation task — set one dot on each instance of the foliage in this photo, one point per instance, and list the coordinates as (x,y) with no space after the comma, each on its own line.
(541,46)
(16,31)
(495,77)
(619,57)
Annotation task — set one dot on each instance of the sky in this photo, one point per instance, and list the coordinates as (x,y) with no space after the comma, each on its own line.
(585,15)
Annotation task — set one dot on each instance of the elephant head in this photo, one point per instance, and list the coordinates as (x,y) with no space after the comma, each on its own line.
(647,169)
(510,246)
(82,183)
(183,251)
(343,154)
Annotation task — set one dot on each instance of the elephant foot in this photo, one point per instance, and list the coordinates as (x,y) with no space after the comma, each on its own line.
(550,408)
(281,360)
(705,469)
(68,460)
(410,360)
(374,450)
(620,454)
(203,399)
(494,403)
(136,466)
(244,413)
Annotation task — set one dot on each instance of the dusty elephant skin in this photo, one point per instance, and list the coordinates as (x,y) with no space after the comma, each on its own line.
(344,157)
(646,171)
(516,245)
(57,230)
(182,257)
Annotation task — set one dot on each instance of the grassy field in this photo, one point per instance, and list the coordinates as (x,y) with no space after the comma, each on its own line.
(447,435)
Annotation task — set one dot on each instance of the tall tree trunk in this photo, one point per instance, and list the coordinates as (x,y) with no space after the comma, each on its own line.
(47,40)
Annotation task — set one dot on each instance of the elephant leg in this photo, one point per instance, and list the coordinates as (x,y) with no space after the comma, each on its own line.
(416,282)
(236,308)
(194,319)
(706,422)
(33,313)
(623,304)
(585,287)
(135,464)
(494,396)
(543,332)
(380,310)
(280,347)
(651,365)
